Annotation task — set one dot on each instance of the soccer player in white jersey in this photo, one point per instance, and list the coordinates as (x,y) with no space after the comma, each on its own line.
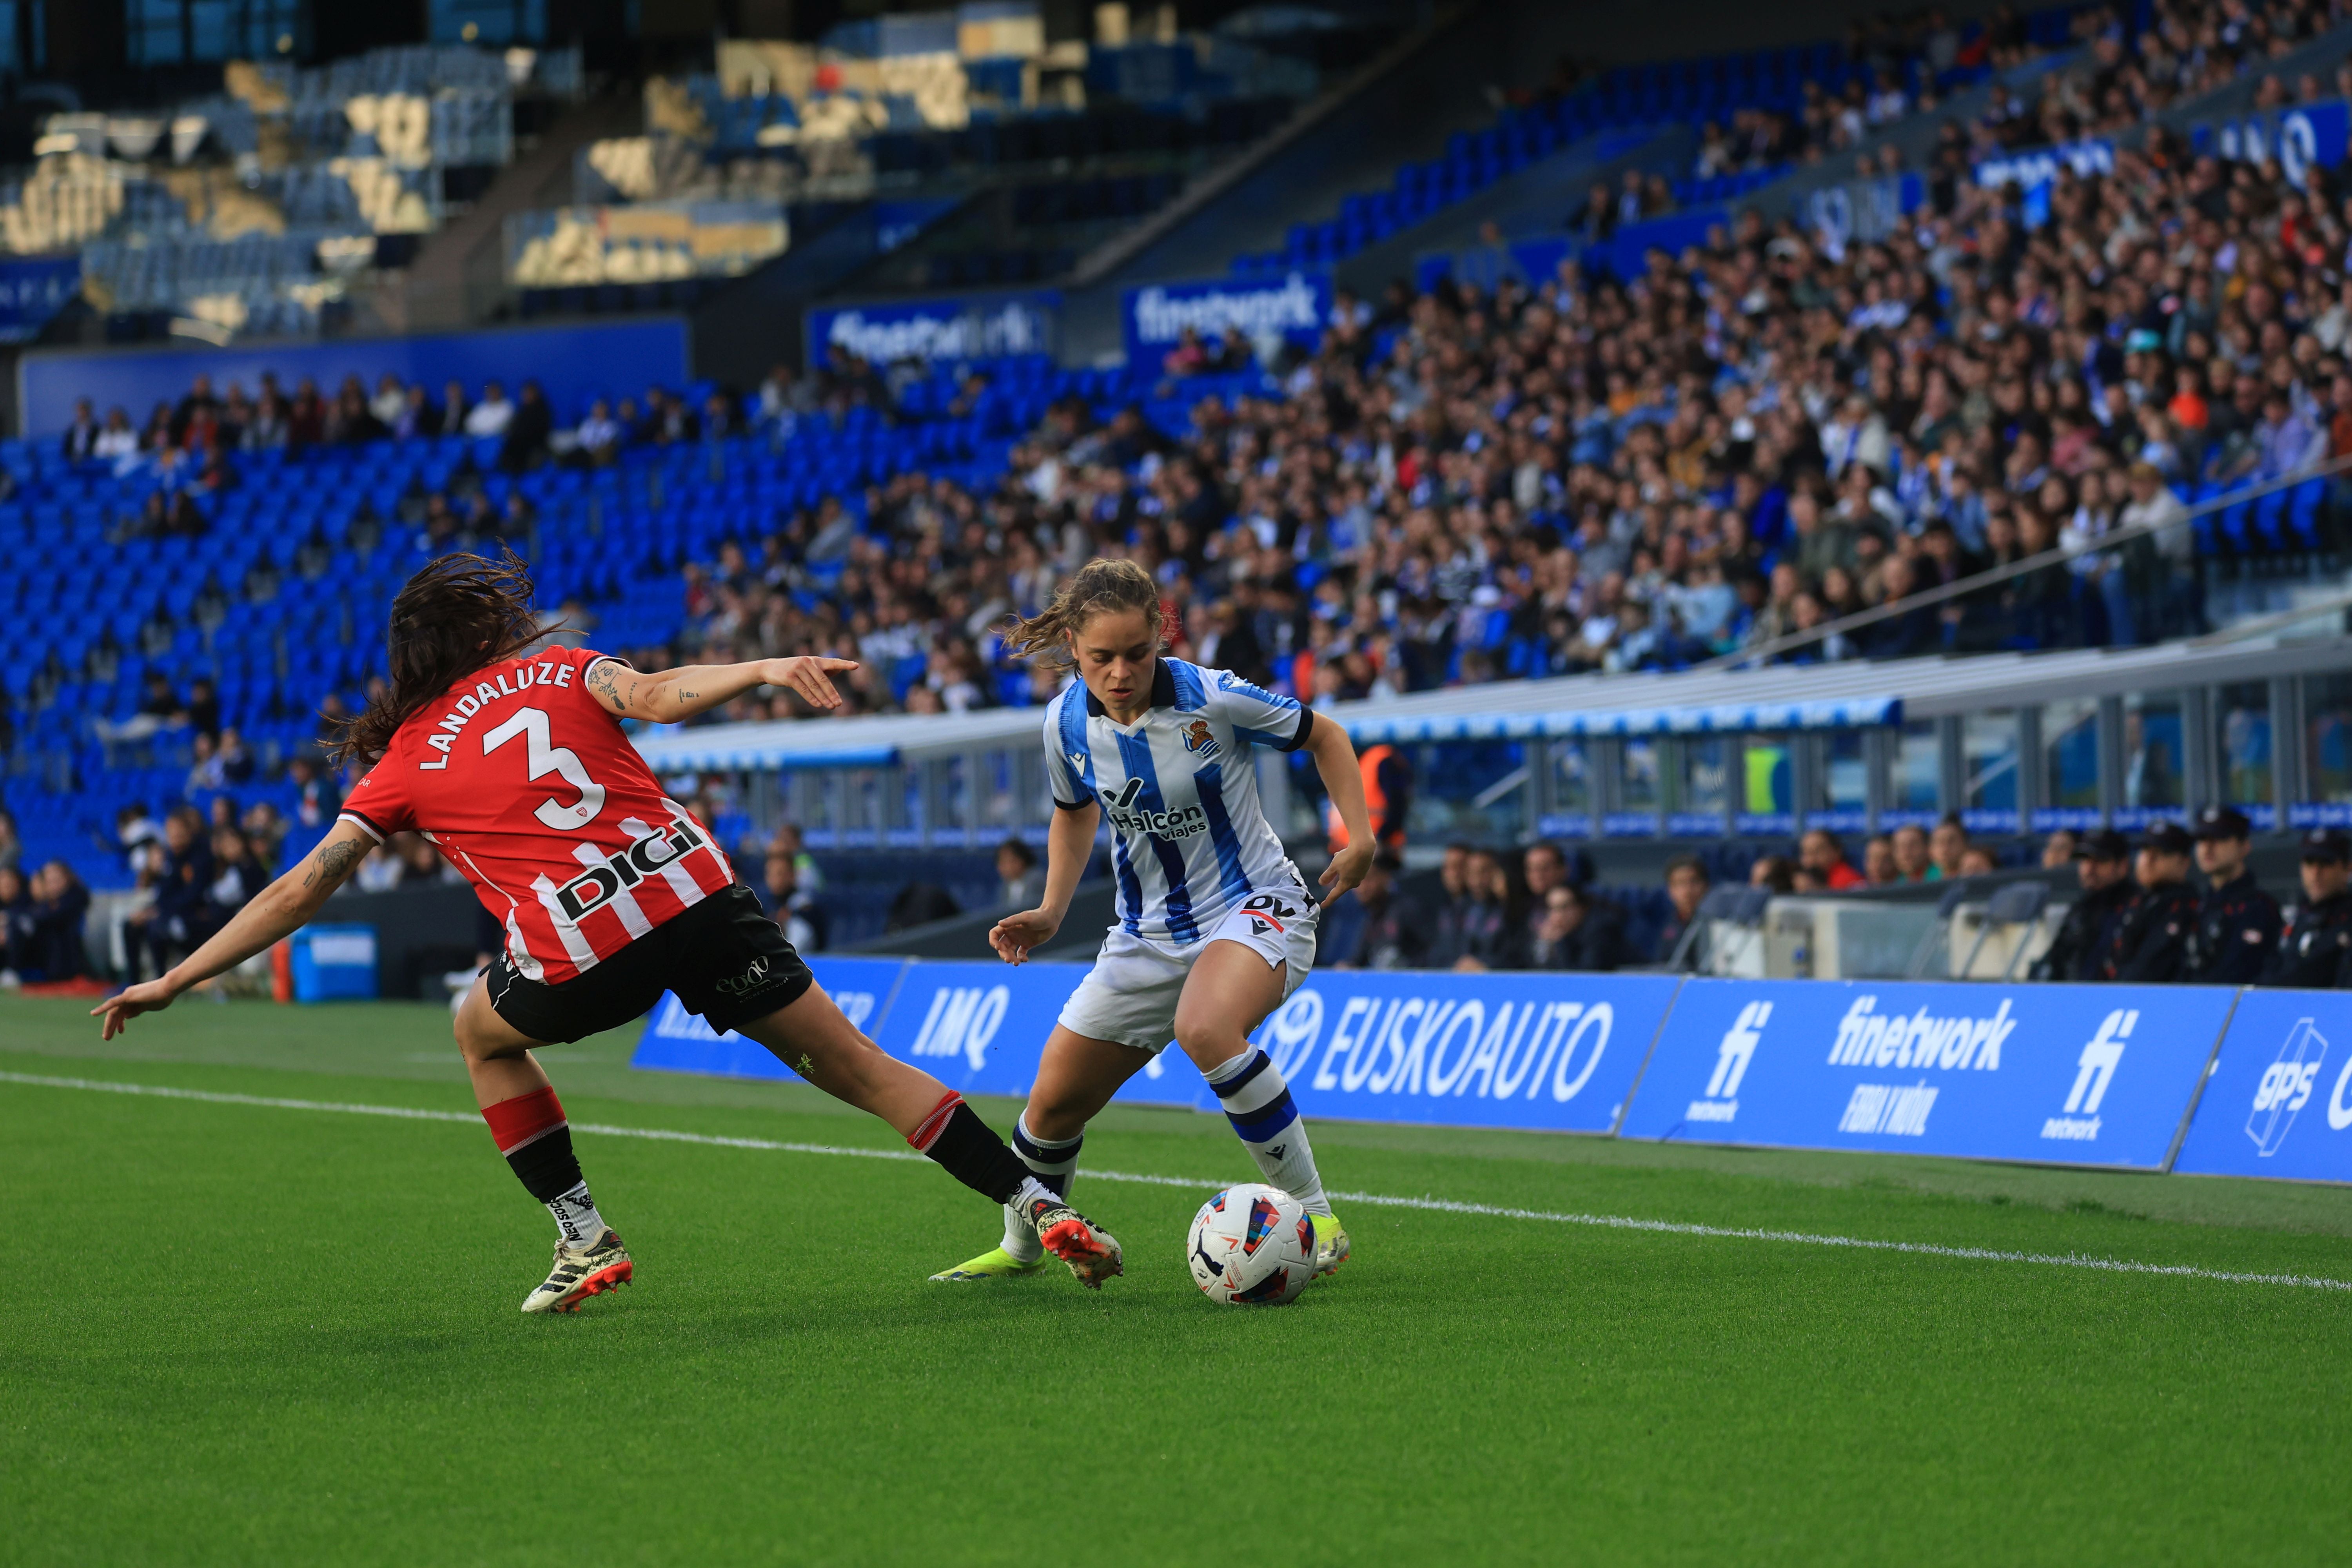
(1215,926)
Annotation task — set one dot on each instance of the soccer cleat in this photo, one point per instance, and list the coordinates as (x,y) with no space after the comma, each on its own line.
(995,1264)
(1330,1243)
(581,1272)
(1092,1254)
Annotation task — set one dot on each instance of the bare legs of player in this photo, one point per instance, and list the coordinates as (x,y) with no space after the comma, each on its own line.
(1230,990)
(811,1037)
(813,1040)
(498,1055)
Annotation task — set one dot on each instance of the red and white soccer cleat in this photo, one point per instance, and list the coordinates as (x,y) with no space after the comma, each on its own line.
(1092,1254)
(581,1272)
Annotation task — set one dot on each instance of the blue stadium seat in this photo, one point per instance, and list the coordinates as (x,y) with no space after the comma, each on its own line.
(2270,521)
(2303,512)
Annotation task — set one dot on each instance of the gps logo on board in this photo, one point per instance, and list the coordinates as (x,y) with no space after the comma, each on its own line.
(2287,1086)
(600,885)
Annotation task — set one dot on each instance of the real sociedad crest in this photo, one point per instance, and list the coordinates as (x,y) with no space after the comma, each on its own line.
(1198,740)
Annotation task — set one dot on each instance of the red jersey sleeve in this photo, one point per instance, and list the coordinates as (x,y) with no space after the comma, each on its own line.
(384,803)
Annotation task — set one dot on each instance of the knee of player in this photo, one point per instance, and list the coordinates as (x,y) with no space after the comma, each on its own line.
(1057,1109)
(477,1043)
(471,1043)
(1205,1030)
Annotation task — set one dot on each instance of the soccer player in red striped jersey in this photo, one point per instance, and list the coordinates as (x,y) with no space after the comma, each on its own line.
(514,762)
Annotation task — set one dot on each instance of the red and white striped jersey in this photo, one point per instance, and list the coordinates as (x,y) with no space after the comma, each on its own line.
(529,786)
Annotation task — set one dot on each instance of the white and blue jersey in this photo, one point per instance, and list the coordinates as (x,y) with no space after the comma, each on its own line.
(1189,840)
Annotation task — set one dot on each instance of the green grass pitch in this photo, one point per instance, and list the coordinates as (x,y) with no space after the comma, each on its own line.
(237,1333)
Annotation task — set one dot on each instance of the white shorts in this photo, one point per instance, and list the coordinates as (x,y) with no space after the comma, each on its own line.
(1130,996)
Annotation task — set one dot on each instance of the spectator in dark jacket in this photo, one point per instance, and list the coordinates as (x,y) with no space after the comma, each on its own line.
(2102,865)
(1378,927)
(1453,882)
(1542,867)
(2316,949)
(174,925)
(1492,933)
(1686,889)
(527,432)
(2238,924)
(800,916)
(48,947)
(2150,944)
(1577,932)
(1908,632)
(80,441)
(240,876)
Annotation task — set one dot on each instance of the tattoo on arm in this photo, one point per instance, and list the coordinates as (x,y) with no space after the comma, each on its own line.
(606,682)
(335,861)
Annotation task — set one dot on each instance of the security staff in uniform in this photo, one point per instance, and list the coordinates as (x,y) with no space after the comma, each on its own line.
(2237,923)
(2315,954)
(2150,941)
(2103,863)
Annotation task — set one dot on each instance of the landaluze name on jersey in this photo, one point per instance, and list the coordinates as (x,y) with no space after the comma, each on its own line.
(452,723)
(600,885)
(1181,823)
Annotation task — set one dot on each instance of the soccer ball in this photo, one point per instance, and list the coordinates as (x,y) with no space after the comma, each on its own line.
(1251,1246)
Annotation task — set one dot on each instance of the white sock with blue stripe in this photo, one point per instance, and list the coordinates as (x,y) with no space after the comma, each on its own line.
(1258,1103)
(1055,1165)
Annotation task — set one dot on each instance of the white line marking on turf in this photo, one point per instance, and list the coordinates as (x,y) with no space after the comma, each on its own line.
(1424,1204)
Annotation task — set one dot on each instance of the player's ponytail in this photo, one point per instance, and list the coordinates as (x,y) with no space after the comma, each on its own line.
(1101,586)
(458,615)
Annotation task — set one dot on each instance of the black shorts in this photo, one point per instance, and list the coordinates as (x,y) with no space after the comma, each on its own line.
(724,957)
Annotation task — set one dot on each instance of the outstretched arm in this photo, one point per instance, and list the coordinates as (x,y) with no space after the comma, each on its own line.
(1335,763)
(667,696)
(278,911)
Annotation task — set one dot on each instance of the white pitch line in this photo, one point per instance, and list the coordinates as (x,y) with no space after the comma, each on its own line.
(1423,1205)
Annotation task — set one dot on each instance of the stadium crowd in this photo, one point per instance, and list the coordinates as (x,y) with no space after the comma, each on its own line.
(1578,473)
(1574,473)
(2136,914)
(2143,62)
(1565,474)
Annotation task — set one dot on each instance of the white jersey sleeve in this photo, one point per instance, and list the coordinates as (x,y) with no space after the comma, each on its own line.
(1069,767)
(1258,716)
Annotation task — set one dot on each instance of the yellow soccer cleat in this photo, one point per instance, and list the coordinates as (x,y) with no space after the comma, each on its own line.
(995,1264)
(581,1272)
(1330,1244)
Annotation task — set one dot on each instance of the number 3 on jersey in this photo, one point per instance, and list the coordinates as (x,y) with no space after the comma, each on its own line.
(530,723)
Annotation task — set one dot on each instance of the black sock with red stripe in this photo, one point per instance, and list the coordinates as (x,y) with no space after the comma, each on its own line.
(969,1151)
(531,1131)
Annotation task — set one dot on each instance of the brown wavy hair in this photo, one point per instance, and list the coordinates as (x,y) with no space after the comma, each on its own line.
(459,613)
(1100,587)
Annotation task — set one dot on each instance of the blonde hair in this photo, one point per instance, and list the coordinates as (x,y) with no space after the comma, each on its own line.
(1099,588)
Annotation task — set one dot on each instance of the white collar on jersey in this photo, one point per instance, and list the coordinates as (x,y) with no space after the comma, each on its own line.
(1163,691)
